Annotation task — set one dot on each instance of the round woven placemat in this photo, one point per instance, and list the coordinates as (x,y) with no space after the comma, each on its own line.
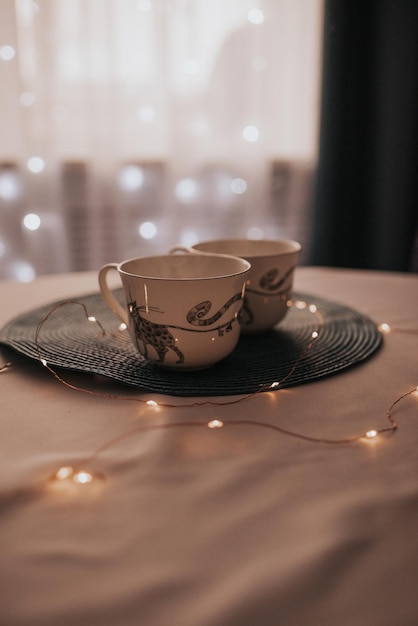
(67,340)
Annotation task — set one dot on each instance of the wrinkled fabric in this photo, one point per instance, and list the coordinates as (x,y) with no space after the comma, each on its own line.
(232,526)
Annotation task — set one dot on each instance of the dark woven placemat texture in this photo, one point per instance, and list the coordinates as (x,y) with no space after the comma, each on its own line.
(67,340)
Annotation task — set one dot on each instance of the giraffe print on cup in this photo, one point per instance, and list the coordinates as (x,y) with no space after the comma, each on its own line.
(150,334)
(161,339)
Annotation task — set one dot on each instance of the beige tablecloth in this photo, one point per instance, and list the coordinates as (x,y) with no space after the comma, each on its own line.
(233,526)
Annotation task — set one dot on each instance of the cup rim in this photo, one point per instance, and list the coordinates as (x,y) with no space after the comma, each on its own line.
(294,246)
(246,266)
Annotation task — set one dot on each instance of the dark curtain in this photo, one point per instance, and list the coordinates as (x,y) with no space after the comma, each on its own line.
(365,205)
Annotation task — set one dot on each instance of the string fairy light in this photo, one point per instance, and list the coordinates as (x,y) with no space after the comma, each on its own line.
(386,328)
(298,304)
(81,476)
(91,318)
(215,424)
(78,476)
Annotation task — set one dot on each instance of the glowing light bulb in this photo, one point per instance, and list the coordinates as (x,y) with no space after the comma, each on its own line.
(32,221)
(83,477)
(255,16)
(9,186)
(250,133)
(187,190)
(131,177)
(64,472)
(384,328)
(215,424)
(7,53)
(147,230)
(189,237)
(151,403)
(91,318)
(371,434)
(300,304)
(122,326)
(238,186)
(274,385)
(35,165)
(315,334)
(313,308)
(23,271)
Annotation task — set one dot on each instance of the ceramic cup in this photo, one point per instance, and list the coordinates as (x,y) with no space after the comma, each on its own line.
(269,282)
(181,311)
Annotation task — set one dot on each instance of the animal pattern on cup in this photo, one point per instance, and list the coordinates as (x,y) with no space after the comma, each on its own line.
(266,282)
(151,334)
(195,315)
(161,339)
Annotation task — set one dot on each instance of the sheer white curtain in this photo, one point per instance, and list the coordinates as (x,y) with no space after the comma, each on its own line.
(129,125)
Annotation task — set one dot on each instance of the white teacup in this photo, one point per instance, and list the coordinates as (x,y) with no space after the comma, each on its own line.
(181,310)
(270,280)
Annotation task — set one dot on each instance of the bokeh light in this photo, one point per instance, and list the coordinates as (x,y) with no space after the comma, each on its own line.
(148,230)
(7,53)
(22,271)
(238,186)
(31,221)
(186,190)
(131,177)
(189,238)
(255,16)
(9,185)
(250,133)
(35,165)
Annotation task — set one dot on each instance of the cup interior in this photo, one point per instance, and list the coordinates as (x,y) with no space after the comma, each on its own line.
(248,248)
(185,266)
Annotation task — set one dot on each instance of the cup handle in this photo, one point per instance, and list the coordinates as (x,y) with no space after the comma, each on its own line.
(107,294)
(181,248)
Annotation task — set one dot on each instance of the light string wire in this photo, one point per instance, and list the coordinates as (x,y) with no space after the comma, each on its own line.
(264,387)
(298,304)
(82,476)
(387,328)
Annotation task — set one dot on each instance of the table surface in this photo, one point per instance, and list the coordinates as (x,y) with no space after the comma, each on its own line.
(234,526)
